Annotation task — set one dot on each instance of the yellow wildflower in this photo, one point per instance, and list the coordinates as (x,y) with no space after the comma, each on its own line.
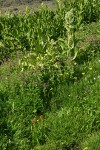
(85,148)
(90,68)
(60,74)
(22,69)
(75,78)
(83,73)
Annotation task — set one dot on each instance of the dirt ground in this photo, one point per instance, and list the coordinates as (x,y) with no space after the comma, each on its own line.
(15,6)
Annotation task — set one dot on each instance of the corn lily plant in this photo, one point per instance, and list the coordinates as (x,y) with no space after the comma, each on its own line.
(73,20)
(69,25)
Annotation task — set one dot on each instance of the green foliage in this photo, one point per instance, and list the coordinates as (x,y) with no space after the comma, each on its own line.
(92,142)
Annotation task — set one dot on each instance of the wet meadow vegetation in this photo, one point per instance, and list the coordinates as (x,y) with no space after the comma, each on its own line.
(50,77)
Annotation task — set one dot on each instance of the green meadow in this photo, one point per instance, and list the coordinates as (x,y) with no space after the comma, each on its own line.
(50,77)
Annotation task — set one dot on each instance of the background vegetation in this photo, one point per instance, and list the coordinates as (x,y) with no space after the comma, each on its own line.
(50,78)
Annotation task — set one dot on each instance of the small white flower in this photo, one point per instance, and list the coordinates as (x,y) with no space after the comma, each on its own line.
(9,141)
(75,63)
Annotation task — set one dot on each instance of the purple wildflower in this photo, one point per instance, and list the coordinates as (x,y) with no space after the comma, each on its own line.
(8,73)
(23,79)
(29,72)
